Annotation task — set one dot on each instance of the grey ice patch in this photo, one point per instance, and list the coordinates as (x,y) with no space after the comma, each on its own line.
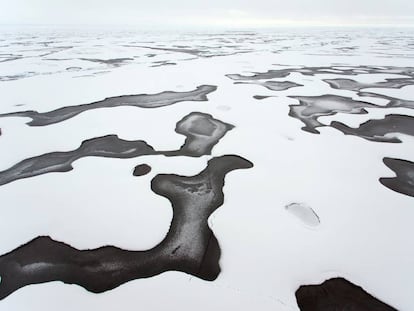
(163,63)
(313,107)
(189,246)
(142,101)
(270,74)
(260,97)
(115,62)
(206,52)
(109,146)
(337,294)
(74,68)
(381,130)
(3,60)
(18,76)
(312,71)
(176,50)
(141,170)
(274,85)
(305,213)
(392,101)
(403,182)
(352,85)
(202,133)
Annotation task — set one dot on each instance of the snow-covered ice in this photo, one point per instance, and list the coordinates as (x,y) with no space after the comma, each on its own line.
(266,252)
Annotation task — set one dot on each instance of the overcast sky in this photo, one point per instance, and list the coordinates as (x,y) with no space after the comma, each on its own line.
(208,12)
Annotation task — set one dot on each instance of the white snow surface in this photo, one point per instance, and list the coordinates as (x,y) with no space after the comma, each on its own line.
(365,231)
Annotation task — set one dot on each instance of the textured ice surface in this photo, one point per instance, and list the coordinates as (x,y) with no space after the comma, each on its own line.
(274,85)
(142,101)
(141,169)
(392,101)
(313,107)
(382,130)
(337,294)
(404,180)
(340,70)
(189,246)
(352,85)
(202,132)
(365,222)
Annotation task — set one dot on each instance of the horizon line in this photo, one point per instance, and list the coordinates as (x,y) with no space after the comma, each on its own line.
(218,25)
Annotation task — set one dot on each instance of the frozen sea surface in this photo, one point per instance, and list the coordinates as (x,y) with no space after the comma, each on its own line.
(319,116)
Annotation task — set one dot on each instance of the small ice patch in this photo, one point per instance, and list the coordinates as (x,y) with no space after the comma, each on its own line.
(305,213)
